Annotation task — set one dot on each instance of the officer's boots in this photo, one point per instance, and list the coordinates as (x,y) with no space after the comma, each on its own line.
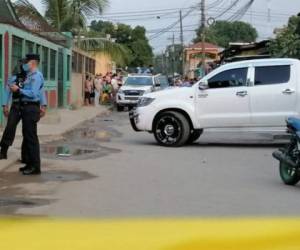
(3,152)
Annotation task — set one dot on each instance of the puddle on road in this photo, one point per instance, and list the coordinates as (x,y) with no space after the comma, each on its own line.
(64,151)
(14,180)
(5,202)
(14,195)
(84,142)
(66,176)
(10,205)
(70,152)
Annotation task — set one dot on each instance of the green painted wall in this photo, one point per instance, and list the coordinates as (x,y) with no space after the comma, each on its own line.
(26,36)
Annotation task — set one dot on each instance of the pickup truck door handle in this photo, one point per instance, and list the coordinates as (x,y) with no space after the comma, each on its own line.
(203,95)
(288,91)
(242,93)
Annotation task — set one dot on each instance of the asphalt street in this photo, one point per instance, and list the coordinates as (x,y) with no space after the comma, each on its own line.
(104,169)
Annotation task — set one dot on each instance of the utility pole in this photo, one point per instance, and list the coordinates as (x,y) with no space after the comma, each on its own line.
(182,42)
(181,27)
(203,24)
(173,55)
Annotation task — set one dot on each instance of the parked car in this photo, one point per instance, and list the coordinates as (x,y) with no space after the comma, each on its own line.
(137,85)
(256,94)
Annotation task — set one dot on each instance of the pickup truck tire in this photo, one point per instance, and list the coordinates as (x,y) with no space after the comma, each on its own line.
(194,136)
(120,108)
(171,129)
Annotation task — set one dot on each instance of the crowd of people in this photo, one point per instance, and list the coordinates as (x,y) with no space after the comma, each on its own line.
(101,89)
(185,82)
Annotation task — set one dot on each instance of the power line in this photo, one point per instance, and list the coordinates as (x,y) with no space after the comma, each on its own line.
(175,16)
(241,12)
(172,25)
(227,9)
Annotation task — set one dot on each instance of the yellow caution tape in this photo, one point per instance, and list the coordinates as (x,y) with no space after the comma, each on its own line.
(155,234)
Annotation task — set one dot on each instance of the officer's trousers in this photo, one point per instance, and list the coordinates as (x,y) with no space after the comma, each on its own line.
(9,133)
(30,114)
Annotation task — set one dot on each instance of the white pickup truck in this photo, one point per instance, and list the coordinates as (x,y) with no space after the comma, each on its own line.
(256,94)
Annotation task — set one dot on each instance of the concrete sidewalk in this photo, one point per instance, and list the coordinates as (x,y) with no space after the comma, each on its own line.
(53,126)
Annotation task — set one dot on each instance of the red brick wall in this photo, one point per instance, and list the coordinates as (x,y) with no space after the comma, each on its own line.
(69,97)
(6,56)
(52,99)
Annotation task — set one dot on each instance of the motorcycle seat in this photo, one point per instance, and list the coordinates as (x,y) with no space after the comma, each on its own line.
(294,122)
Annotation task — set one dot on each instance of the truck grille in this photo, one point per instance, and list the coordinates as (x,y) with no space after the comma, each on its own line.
(134,92)
(131,98)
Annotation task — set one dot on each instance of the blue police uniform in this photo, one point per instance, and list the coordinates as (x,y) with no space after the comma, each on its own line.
(33,90)
(13,119)
(15,113)
(33,95)
(7,94)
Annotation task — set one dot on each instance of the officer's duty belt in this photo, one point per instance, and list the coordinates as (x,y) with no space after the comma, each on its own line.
(30,103)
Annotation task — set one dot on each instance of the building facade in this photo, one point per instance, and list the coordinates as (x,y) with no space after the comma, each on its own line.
(193,57)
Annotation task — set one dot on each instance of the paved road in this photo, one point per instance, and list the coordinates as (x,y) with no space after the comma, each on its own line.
(107,170)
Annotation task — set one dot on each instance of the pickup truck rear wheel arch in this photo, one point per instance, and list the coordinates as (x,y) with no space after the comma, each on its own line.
(185,114)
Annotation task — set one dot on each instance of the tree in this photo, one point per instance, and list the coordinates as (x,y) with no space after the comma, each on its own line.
(56,13)
(71,16)
(287,41)
(134,39)
(142,54)
(223,32)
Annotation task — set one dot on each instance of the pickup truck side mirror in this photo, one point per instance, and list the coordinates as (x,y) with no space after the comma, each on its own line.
(203,86)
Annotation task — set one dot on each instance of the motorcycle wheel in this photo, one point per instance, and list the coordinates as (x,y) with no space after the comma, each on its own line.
(288,174)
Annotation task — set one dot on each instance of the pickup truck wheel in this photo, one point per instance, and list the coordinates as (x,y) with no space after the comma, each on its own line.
(171,129)
(194,136)
(120,108)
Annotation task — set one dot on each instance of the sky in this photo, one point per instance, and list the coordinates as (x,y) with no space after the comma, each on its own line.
(264,15)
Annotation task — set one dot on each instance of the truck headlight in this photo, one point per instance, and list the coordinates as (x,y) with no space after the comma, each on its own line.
(121,92)
(145,101)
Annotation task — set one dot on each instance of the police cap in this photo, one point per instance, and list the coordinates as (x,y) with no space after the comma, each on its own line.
(30,57)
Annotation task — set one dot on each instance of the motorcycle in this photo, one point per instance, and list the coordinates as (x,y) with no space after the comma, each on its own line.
(289,156)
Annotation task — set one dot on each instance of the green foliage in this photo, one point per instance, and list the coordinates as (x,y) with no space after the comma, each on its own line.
(287,42)
(71,15)
(119,53)
(133,39)
(56,12)
(223,32)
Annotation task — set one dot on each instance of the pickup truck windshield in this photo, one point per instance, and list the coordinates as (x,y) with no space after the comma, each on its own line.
(139,81)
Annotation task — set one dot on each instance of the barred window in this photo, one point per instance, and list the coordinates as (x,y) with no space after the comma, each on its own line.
(17,47)
(52,64)
(68,67)
(29,47)
(45,62)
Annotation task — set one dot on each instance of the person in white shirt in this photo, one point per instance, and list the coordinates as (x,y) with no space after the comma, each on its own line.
(98,89)
(115,83)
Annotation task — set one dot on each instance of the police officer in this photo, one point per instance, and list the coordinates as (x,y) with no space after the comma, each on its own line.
(14,114)
(31,111)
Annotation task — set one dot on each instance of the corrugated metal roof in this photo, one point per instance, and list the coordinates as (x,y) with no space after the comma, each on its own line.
(7,13)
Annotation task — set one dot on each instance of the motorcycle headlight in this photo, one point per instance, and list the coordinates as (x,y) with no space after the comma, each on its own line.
(145,101)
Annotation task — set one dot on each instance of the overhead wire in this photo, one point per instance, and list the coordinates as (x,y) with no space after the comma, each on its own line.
(232,5)
(241,12)
(172,25)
